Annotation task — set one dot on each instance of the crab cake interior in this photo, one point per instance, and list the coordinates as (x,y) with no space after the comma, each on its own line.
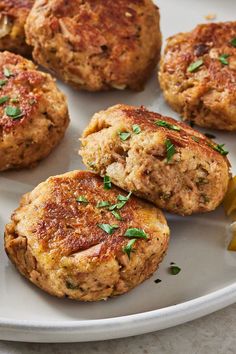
(66,240)
(13,14)
(33,113)
(96,45)
(198,75)
(157,158)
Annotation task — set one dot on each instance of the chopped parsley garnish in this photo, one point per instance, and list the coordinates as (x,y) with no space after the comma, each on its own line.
(219,148)
(129,247)
(109,229)
(210,136)
(103,204)
(223,59)
(170,150)
(2,83)
(233,42)
(162,123)
(136,233)
(196,139)
(107,182)
(122,201)
(7,72)
(4,99)
(117,215)
(13,112)
(136,129)
(124,136)
(123,198)
(194,66)
(174,269)
(157,281)
(82,199)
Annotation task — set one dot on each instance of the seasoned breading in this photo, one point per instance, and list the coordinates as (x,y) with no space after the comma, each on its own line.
(96,45)
(13,14)
(55,241)
(157,158)
(33,113)
(198,75)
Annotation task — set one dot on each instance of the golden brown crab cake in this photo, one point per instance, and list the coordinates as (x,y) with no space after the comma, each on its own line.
(74,237)
(157,158)
(96,45)
(33,113)
(13,14)
(198,75)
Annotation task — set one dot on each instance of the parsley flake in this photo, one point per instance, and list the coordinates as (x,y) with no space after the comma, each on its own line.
(13,112)
(136,129)
(233,42)
(136,233)
(82,199)
(162,123)
(124,136)
(129,247)
(2,83)
(122,201)
(7,72)
(196,139)
(117,215)
(103,204)
(223,59)
(109,229)
(219,148)
(4,99)
(194,66)
(174,269)
(107,182)
(170,150)
(122,198)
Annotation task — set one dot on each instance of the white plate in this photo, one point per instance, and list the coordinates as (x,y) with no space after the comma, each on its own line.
(198,244)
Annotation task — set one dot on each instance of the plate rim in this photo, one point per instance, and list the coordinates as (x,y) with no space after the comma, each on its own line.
(117,327)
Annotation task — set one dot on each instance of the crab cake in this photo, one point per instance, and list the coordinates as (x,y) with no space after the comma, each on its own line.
(198,75)
(13,14)
(96,45)
(33,113)
(157,158)
(77,236)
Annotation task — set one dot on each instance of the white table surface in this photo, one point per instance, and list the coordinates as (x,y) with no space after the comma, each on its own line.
(213,334)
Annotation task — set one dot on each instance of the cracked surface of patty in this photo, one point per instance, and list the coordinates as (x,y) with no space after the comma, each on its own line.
(33,113)
(205,95)
(157,158)
(96,45)
(13,14)
(56,243)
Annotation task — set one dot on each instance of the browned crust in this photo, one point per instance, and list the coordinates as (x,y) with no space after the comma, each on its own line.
(206,96)
(15,12)
(26,140)
(69,227)
(55,242)
(195,180)
(101,43)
